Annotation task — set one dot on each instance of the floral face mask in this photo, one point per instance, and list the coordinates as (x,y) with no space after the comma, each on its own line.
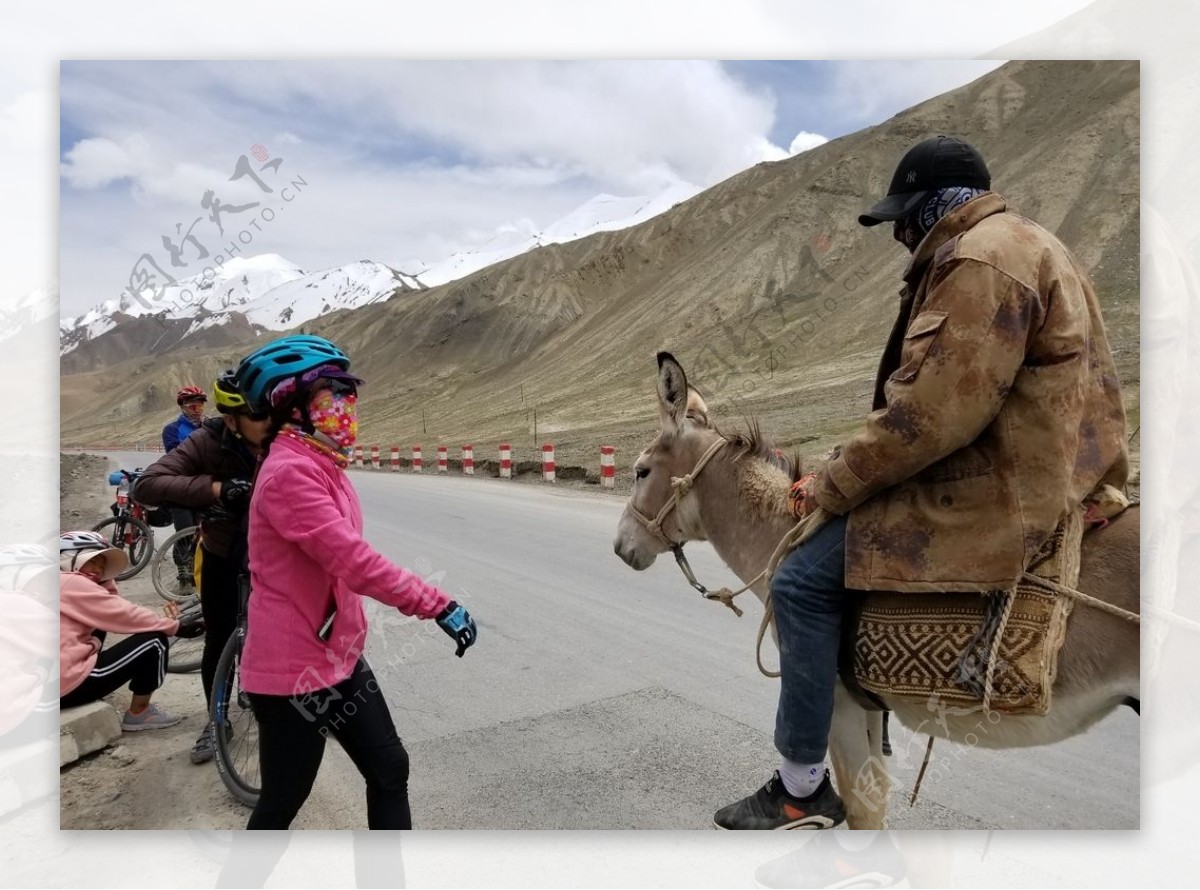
(336,415)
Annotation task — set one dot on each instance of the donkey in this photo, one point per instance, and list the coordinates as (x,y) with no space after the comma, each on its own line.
(738,503)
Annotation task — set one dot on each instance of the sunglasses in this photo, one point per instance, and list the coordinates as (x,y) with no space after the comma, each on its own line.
(340,387)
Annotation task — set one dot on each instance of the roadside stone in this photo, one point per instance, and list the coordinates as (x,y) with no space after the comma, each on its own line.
(86,729)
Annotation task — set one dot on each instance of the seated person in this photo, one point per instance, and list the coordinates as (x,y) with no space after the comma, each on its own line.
(89,608)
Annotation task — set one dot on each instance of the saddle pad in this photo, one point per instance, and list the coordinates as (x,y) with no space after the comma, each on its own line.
(911,644)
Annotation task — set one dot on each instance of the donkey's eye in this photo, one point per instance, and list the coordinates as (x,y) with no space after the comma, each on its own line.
(641,472)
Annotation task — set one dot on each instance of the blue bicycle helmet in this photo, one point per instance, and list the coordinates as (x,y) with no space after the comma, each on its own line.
(262,369)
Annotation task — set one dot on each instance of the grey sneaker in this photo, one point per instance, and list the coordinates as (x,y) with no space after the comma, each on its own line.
(151,718)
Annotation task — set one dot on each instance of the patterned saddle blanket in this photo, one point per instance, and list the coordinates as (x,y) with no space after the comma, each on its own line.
(937,647)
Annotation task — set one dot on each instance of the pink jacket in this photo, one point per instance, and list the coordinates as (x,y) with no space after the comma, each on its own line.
(307,555)
(85,606)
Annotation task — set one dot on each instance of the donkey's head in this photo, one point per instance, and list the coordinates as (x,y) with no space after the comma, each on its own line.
(644,531)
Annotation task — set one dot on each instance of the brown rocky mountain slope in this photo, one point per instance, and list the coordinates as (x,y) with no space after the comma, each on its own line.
(764,286)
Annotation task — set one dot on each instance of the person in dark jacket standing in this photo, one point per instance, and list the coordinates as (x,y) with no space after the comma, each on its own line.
(191,401)
(213,469)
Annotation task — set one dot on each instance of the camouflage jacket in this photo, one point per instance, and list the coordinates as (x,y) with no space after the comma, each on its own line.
(997,408)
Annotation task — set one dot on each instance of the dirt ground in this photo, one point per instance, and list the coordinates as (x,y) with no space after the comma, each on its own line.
(147,772)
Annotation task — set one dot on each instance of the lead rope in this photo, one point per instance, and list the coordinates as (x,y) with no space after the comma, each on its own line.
(1055,587)
(993,657)
(797,535)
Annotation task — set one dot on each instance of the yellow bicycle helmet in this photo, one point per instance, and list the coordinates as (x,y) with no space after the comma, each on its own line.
(228,397)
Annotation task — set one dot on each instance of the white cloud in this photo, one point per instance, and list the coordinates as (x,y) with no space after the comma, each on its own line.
(873,89)
(615,121)
(804,140)
(95,163)
(769,151)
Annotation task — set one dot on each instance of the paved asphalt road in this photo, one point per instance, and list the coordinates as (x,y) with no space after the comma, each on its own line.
(598,697)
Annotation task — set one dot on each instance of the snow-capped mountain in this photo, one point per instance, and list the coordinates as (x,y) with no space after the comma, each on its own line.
(306,295)
(273,293)
(269,291)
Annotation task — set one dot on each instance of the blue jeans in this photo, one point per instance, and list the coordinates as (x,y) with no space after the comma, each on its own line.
(810,598)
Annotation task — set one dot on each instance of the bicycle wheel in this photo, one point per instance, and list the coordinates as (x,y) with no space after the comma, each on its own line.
(185,655)
(131,535)
(235,731)
(165,574)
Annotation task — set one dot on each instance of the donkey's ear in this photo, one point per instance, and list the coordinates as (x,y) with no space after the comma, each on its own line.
(696,407)
(672,391)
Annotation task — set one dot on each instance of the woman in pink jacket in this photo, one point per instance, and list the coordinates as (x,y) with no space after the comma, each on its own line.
(303,664)
(89,608)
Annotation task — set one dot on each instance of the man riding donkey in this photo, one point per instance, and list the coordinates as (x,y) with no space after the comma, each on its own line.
(996,412)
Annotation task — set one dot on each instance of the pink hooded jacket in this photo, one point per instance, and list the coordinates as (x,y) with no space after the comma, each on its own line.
(85,606)
(308,556)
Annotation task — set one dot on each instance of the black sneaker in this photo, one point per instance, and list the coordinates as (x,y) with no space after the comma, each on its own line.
(202,751)
(771,808)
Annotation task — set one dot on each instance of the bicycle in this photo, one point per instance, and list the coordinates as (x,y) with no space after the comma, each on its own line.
(163,571)
(130,525)
(235,729)
(185,655)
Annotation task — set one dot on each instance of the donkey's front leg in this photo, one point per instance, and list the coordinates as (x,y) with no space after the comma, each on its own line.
(858,767)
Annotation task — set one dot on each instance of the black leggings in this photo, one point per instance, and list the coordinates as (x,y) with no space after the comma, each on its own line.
(291,743)
(139,660)
(219,605)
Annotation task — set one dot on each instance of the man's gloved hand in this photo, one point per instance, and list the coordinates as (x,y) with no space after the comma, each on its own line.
(189,629)
(235,494)
(459,625)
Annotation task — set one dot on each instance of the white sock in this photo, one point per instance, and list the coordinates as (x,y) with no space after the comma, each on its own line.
(801,779)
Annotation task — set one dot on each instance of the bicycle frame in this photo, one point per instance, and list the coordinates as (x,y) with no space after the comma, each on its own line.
(126,507)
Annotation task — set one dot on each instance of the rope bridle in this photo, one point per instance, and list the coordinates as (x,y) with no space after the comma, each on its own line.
(680,487)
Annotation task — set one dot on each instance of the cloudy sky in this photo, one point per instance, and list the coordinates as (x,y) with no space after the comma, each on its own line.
(408,162)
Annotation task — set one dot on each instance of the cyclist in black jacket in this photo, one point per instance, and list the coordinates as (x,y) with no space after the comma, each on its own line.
(212,472)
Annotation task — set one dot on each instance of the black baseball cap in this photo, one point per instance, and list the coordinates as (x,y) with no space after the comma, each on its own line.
(937,162)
